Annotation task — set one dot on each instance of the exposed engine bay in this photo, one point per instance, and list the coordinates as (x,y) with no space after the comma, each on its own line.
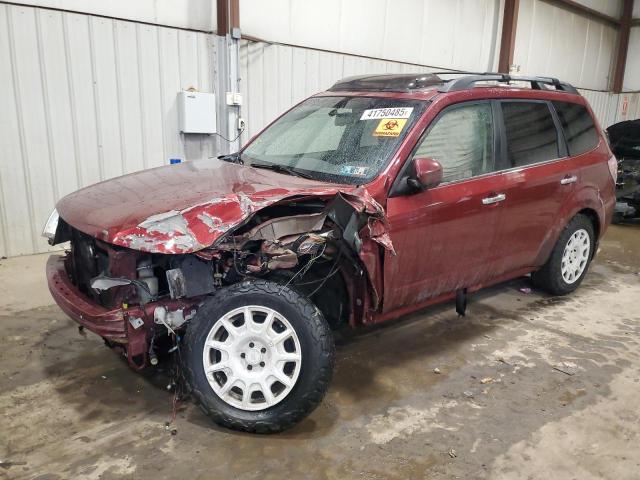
(319,246)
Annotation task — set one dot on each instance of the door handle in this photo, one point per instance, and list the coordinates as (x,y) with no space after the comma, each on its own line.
(495,199)
(569,180)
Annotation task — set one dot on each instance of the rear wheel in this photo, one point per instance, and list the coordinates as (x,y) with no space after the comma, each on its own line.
(258,357)
(569,260)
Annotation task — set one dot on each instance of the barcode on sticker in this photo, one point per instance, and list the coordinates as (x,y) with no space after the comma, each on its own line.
(378,113)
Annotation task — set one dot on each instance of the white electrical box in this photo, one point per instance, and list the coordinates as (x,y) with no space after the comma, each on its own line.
(197,112)
(234,98)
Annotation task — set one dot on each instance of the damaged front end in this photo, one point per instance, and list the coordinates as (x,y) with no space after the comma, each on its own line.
(139,288)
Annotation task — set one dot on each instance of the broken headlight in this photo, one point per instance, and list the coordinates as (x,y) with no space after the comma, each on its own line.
(50,228)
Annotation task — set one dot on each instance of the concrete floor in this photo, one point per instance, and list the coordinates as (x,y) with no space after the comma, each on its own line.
(501,408)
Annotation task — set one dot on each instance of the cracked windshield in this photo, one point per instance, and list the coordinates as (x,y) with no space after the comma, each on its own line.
(335,139)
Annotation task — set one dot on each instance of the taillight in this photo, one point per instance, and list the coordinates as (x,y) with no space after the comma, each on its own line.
(613,168)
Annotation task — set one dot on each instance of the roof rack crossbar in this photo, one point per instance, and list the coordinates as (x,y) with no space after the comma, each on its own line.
(537,83)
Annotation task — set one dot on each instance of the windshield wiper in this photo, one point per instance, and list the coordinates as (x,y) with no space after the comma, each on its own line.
(281,169)
(232,157)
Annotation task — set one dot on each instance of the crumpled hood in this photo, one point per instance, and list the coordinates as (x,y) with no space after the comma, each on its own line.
(184,208)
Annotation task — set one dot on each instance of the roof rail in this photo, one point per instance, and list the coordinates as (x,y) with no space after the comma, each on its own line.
(406,82)
(467,81)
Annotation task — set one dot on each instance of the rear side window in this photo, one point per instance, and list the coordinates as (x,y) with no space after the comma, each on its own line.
(531,133)
(579,129)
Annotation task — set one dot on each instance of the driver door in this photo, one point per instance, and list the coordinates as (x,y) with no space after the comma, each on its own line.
(443,235)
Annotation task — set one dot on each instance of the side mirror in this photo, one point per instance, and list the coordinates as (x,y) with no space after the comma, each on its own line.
(428,173)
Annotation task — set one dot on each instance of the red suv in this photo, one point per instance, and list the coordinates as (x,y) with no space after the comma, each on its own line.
(378,197)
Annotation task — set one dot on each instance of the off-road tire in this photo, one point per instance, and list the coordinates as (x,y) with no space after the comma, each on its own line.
(316,344)
(549,277)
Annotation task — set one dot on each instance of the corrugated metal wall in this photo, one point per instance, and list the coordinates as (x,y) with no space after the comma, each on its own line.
(632,70)
(193,14)
(83,99)
(275,77)
(556,42)
(613,8)
(604,105)
(628,106)
(457,34)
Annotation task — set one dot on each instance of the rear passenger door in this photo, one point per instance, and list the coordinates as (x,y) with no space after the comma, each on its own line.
(539,182)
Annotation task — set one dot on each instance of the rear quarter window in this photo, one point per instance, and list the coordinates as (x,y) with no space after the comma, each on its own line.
(579,130)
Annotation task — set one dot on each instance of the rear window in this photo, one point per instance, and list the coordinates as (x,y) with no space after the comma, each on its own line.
(531,133)
(579,129)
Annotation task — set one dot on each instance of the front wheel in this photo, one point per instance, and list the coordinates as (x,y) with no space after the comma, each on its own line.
(258,357)
(569,259)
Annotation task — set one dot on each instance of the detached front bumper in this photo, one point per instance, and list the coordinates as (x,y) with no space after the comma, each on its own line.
(109,324)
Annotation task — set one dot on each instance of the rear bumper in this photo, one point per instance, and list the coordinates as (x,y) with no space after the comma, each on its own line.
(109,324)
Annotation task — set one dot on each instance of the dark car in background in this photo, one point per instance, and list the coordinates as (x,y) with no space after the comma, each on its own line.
(624,139)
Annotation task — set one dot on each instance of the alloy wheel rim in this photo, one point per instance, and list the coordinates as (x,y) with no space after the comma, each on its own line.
(252,357)
(575,256)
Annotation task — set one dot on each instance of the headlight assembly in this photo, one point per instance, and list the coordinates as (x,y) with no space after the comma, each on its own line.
(49,230)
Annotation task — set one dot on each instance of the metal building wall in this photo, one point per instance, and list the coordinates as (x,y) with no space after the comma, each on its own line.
(632,71)
(192,14)
(628,106)
(613,8)
(275,77)
(556,42)
(604,105)
(550,41)
(83,99)
(458,34)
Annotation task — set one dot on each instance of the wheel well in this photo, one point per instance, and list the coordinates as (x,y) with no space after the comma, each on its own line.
(325,287)
(332,298)
(595,220)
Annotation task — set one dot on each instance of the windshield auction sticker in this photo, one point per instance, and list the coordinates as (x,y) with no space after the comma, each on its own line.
(377,113)
(389,127)
(353,170)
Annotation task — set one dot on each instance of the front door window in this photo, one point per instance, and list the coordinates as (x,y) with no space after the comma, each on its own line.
(462,141)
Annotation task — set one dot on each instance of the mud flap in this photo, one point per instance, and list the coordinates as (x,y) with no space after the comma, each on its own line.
(461,302)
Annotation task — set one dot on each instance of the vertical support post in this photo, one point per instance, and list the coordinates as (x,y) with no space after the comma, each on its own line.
(228,13)
(508,38)
(622,46)
(228,71)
